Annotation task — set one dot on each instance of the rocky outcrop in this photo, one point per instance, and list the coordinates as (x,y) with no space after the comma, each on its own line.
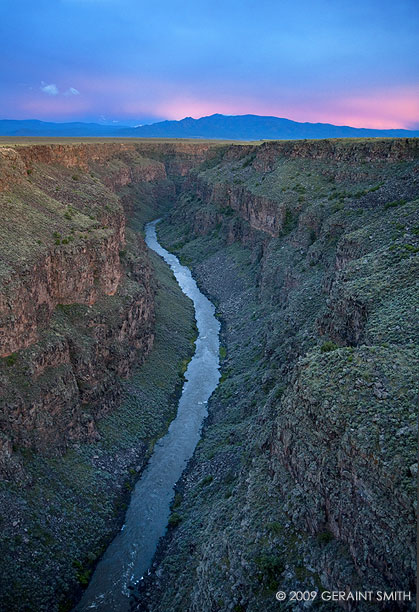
(350,151)
(71,373)
(12,168)
(347,474)
(29,299)
(261,213)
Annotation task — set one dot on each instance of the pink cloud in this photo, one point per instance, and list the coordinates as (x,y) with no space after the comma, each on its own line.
(383,110)
(133,97)
(379,110)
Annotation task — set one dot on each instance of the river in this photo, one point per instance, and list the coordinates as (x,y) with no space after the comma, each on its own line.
(129,555)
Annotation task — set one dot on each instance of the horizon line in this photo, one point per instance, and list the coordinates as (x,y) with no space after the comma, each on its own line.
(117,125)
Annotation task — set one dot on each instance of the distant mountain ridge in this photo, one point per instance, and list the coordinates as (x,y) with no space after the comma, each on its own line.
(225,127)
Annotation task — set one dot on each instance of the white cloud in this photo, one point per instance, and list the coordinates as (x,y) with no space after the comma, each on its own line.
(72,91)
(51,90)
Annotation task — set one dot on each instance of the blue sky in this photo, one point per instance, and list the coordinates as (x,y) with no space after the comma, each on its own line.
(135,61)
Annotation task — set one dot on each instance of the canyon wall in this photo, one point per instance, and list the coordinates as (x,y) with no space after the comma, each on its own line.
(76,302)
(305,477)
(86,330)
(306,471)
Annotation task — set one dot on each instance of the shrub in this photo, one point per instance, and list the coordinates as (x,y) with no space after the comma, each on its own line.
(83,577)
(270,568)
(279,392)
(324,537)
(288,221)
(177,500)
(394,204)
(411,247)
(275,527)
(206,481)
(248,161)
(175,519)
(183,367)
(11,359)
(328,346)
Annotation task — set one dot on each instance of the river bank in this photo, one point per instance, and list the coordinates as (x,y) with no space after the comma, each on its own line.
(129,556)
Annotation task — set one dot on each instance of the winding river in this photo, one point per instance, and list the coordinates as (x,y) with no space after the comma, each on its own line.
(129,555)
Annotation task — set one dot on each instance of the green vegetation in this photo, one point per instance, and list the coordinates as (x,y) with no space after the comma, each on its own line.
(394,204)
(175,519)
(328,346)
(324,537)
(177,501)
(270,569)
(291,403)
(10,360)
(291,407)
(77,487)
(206,481)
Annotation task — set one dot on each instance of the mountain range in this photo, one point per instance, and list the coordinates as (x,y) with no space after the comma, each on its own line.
(226,127)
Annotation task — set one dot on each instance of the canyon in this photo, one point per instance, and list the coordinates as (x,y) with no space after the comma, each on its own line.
(306,471)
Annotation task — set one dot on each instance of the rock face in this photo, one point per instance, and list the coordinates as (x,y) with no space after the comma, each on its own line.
(76,302)
(346,475)
(310,251)
(55,279)
(305,474)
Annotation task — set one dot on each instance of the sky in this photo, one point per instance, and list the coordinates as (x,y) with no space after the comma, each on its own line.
(347,62)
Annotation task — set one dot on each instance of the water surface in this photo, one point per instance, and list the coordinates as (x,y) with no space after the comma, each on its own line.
(129,555)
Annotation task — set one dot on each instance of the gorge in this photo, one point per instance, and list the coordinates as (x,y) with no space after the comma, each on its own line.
(306,471)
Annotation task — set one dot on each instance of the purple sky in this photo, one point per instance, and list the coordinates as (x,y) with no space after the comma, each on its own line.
(133,61)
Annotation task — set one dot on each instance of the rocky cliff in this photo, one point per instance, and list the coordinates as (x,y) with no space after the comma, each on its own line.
(76,302)
(74,313)
(77,307)
(306,471)
(310,251)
